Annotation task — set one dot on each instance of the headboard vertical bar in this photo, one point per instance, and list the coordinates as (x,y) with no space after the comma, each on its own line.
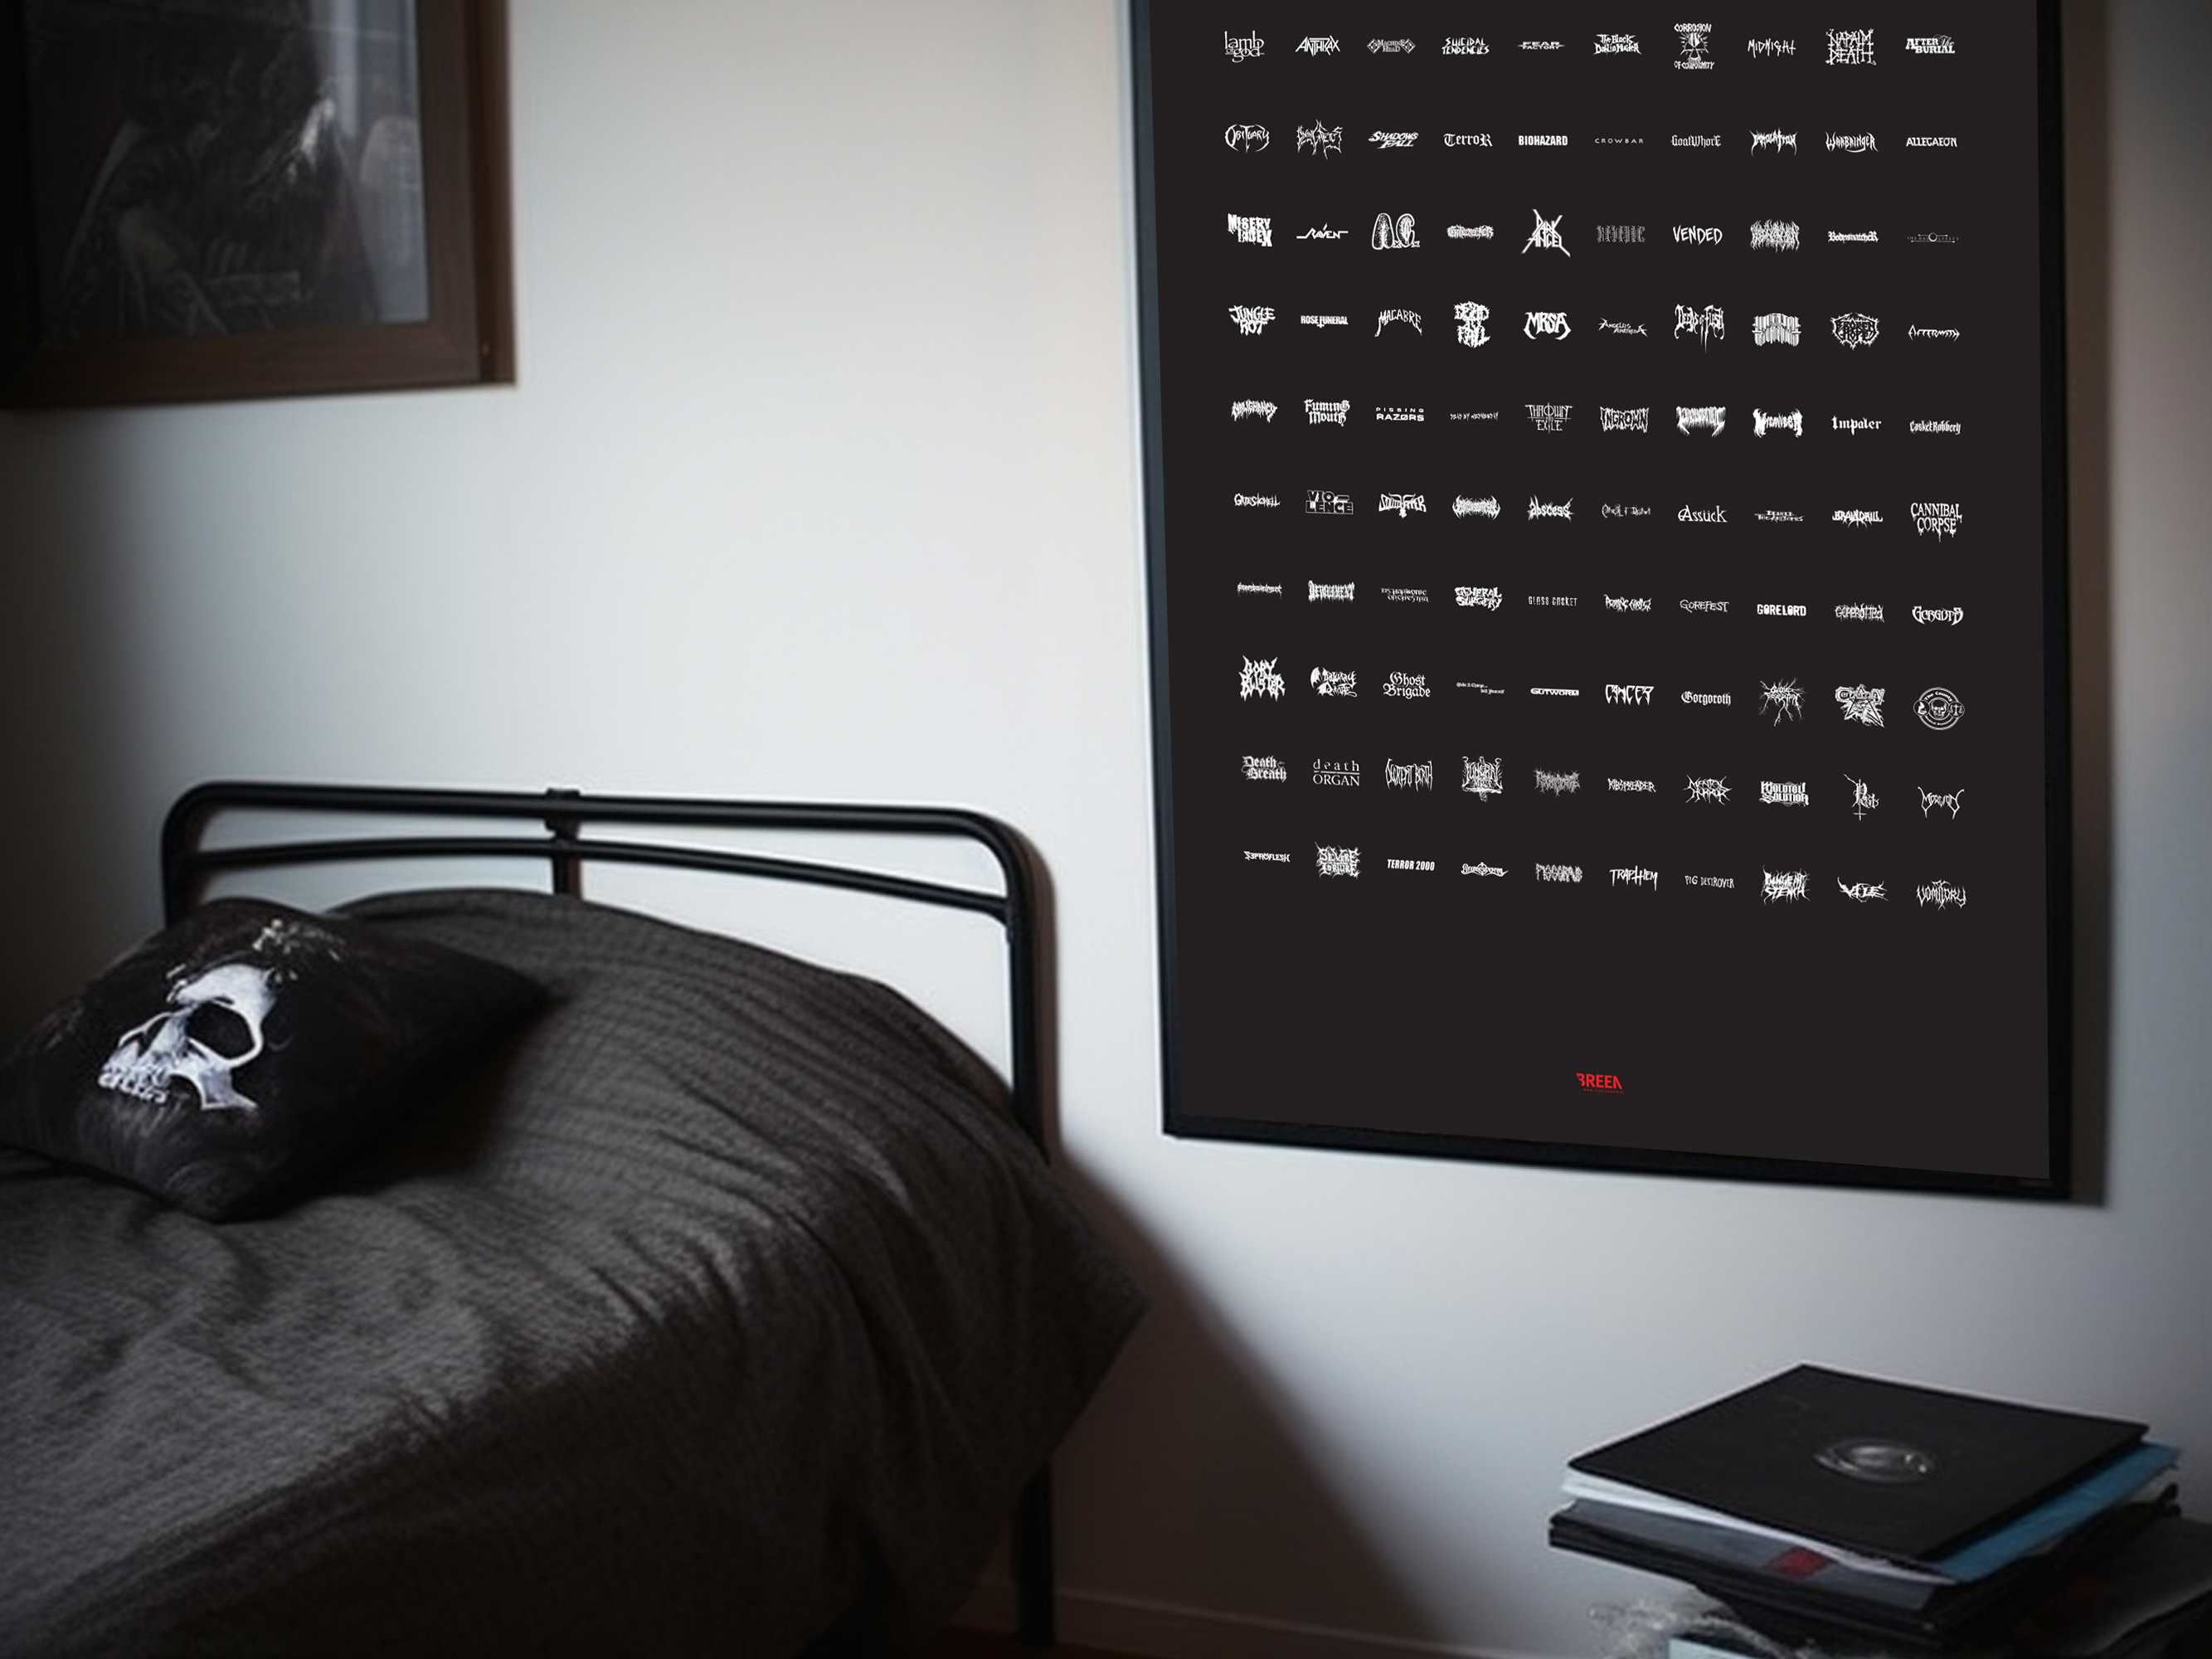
(565,829)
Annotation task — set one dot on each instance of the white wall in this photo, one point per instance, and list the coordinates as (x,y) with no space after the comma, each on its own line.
(821,479)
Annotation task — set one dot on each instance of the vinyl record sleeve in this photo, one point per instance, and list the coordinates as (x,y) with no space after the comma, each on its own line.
(1889,1469)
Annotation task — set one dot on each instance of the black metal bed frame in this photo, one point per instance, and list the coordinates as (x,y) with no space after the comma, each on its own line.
(188,864)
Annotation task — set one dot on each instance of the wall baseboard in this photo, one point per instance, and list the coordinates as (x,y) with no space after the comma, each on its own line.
(1159,1630)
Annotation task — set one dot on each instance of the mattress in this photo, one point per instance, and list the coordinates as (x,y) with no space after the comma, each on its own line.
(722,1309)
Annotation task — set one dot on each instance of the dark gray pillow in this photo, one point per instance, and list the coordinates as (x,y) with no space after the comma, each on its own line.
(231,1058)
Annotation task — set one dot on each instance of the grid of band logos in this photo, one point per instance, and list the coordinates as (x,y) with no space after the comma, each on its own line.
(1485,359)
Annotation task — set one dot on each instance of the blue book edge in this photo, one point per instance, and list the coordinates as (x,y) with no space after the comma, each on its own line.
(2055,1517)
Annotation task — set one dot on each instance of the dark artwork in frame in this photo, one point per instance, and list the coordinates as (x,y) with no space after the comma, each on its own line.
(1606,538)
(250,198)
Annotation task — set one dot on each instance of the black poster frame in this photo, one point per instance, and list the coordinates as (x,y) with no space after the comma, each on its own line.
(1929,1050)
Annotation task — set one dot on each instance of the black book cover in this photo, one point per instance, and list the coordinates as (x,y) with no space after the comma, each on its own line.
(1888,1468)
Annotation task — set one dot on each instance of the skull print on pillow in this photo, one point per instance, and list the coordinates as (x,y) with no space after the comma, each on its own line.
(233,1057)
(167,1051)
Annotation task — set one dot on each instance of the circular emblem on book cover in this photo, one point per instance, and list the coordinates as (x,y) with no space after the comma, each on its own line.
(1882,1462)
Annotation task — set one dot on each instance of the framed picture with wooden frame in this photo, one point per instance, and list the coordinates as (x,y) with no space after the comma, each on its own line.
(248,199)
(1605,513)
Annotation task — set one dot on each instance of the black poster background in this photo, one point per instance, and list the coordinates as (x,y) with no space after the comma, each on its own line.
(1662,1023)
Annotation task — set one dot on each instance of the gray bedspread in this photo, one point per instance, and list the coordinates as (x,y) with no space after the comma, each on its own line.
(723,1313)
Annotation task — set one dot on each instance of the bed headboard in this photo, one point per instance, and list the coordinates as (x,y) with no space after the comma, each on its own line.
(569,830)
(566,830)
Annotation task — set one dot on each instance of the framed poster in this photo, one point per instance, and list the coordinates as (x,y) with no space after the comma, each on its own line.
(1605,518)
(222,198)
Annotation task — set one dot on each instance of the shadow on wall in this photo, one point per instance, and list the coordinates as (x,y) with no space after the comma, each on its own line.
(77,877)
(1189,1462)
(1214,1502)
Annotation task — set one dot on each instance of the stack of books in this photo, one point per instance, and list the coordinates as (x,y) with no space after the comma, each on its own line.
(1824,1506)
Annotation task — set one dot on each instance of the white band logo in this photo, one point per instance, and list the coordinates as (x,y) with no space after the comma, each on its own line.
(1851,47)
(1953,801)
(1939,708)
(1390,233)
(1784,886)
(1862,705)
(1937,519)
(1259,679)
(1707,325)
(1546,237)
(1855,329)
(1321,140)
